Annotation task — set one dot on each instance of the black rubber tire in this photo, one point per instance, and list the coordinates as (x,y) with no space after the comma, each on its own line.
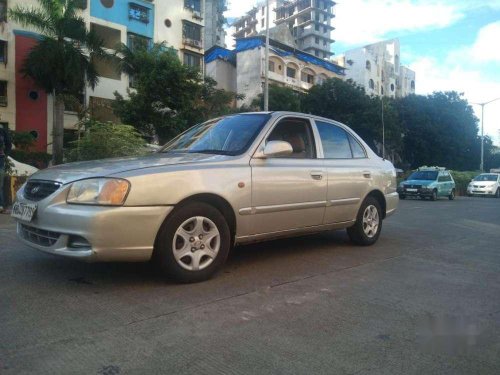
(402,196)
(163,255)
(452,195)
(497,194)
(434,195)
(356,233)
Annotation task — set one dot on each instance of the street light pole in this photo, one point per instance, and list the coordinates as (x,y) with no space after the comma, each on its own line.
(481,167)
(266,62)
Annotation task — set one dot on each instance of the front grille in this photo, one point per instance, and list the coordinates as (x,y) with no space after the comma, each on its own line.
(36,190)
(39,236)
(413,186)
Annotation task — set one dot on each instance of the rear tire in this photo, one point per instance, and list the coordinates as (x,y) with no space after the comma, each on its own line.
(366,230)
(452,195)
(193,243)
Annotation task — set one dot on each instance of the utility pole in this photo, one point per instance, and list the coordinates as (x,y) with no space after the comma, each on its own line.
(383,127)
(266,62)
(481,166)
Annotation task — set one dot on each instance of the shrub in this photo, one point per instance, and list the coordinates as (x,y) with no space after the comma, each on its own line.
(35,158)
(462,179)
(106,140)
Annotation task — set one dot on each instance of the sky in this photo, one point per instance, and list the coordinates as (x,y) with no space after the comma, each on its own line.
(450,44)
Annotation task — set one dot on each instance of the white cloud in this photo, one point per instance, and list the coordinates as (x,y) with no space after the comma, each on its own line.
(367,21)
(486,46)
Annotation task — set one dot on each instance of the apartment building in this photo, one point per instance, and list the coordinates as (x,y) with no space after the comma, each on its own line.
(177,23)
(242,70)
(377,67)
(309,21)
(215,34)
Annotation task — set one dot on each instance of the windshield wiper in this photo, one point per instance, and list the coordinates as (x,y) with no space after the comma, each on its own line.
(208,151)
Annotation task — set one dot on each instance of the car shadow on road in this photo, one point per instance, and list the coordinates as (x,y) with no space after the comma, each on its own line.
(279,255)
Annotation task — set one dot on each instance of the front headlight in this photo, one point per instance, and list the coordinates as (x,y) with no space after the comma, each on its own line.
(99,191)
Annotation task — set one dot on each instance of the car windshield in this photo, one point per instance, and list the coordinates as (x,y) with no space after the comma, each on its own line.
(423,175)
(230,135)
(486,177)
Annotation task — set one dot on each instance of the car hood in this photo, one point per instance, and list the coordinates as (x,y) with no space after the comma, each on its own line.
(418,182)
(100,168)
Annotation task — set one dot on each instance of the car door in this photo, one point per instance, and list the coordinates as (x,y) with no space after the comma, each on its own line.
(349,174)
(288,192)
(442,183)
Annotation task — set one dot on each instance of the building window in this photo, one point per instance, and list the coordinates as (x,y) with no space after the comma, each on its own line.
(382,90)
(316,53)
(316,40)
(138,12)
(392,86)
(3,51)
(371,84)
(271,66)
(290,72)
(262,22)
(263,9)
(3,10)
(3,93)
(192,59)
(412,85)
(138,43)
(307,77)
(193,5)
(368,65)
(191,32)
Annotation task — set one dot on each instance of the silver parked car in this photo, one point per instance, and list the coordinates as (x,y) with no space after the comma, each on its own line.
(232,180)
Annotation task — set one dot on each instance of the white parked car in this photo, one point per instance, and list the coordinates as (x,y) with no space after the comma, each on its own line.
(487,184)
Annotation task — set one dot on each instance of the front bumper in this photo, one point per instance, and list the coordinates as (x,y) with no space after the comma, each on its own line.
(420,192)
(481,191)
(102,233)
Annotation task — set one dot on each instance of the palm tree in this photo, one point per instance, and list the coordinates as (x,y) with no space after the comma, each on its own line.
(61,63)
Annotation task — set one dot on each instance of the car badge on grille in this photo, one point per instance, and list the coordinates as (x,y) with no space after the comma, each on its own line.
(35,190)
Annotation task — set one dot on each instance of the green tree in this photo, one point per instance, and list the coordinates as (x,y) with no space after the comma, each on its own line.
(167,95)
(280,99)
(106,140)
(61,61)
(440,129)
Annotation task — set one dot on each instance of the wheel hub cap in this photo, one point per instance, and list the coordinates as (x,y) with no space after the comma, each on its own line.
(371,221)
(196,243)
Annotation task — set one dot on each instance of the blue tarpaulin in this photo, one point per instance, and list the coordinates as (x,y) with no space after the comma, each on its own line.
(254,42)
(220,53)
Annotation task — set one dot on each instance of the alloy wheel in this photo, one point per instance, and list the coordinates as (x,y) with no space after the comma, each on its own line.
(371,221)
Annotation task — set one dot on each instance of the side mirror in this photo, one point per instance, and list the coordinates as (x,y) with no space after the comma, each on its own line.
(275,148)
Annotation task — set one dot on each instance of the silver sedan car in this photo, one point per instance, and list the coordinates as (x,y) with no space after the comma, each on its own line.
(232,180)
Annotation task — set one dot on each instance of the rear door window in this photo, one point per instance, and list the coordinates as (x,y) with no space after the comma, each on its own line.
(335,141)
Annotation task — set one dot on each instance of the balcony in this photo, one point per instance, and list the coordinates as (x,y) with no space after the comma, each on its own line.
(198,44)
(111,38)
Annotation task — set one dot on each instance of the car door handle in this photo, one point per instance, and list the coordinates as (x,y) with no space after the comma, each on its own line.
(317,175)
(367,174)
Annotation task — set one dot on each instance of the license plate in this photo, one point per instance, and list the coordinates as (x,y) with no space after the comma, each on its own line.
(23,211)
(412,190)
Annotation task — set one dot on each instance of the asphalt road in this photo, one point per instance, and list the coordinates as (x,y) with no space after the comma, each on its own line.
(424,300)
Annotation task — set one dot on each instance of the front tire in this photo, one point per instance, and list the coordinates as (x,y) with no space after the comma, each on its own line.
(402,196)
(497,194)
(366,230)
(193,243)
(452,195)
(434,195)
